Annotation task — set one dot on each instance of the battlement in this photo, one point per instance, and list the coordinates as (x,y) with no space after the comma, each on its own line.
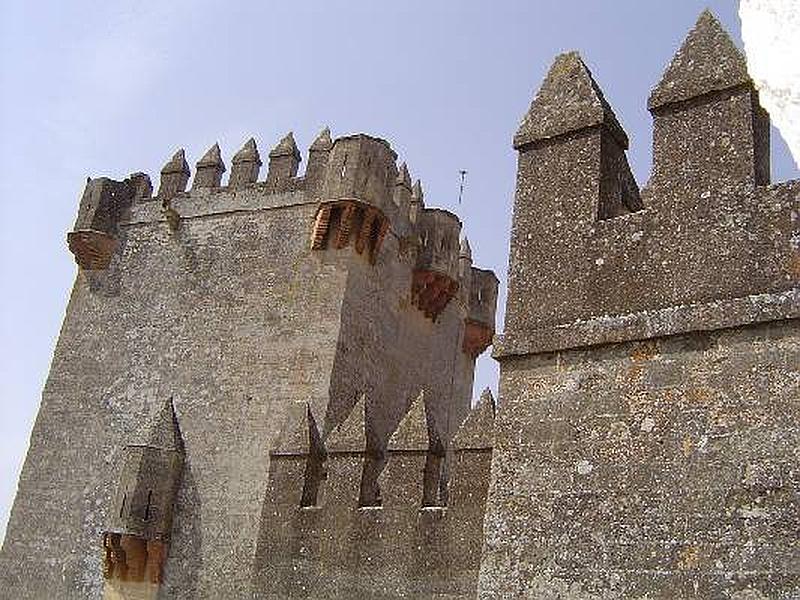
(589,250)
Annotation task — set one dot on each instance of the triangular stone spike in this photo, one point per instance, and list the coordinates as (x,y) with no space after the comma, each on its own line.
(300,434)
(247,153)
(174,176)
(707,61)
(416,192)
(165,433)
(412,432)
(569,100)
(286,147)
(209,169)
(403,178)
(477,430)
(212,157)
(323,142)
(350,435)
(465,251)
(176,164)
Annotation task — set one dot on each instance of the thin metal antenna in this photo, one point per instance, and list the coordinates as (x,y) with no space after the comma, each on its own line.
(461,189)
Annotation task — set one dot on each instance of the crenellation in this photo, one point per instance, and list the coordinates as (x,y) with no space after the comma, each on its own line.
(174,176)
(245,165)
(284,161)
(209,169)
(709,130)
(318,156)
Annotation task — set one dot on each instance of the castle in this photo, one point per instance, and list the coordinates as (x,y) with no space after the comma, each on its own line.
(263,389)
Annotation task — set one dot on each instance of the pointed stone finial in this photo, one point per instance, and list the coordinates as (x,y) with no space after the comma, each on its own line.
(209,169)
(323,141)
(403,178)
(165,432)
(300,434)
(477,430)
(569,100)
(465,251)
(245,165)
(174,175)
(412,432)
(417,195)
(286,147)
(707,61)
(350,435)
(283,163)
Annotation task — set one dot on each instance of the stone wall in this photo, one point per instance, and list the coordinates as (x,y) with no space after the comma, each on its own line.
(646,444)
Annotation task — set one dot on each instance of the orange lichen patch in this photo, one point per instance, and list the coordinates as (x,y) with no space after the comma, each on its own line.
(688,557)
(794,266)
(131,558)
(92,249)
(644,351)
(431,291)
(698,395)
(477,337)
(342,222)
(687,445)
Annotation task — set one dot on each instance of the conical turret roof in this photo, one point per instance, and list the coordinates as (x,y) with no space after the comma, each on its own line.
(568,100)
(707,61)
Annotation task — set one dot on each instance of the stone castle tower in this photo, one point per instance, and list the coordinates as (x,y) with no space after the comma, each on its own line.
(262,389)
(258,386)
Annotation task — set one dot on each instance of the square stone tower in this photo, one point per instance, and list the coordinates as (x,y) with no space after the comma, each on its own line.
(218,345)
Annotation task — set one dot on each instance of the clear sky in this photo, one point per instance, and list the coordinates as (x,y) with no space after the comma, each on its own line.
(108,88)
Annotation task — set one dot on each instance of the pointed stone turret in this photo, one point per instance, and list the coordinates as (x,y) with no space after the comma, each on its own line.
(412,432)
(245,165)
(318,156)
(477,430)
(209,169)
(284,160)
(709,131)
(174,176)
(569,100)
(350,434)
(464,270)
(140,526)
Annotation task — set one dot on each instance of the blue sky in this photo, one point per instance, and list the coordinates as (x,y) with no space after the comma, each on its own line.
(108,88)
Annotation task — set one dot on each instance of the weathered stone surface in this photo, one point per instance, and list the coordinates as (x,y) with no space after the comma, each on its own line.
(645,445)
(237,317)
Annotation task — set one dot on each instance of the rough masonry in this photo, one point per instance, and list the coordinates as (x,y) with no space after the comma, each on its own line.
(646,444)
(258,388)
(262,388)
